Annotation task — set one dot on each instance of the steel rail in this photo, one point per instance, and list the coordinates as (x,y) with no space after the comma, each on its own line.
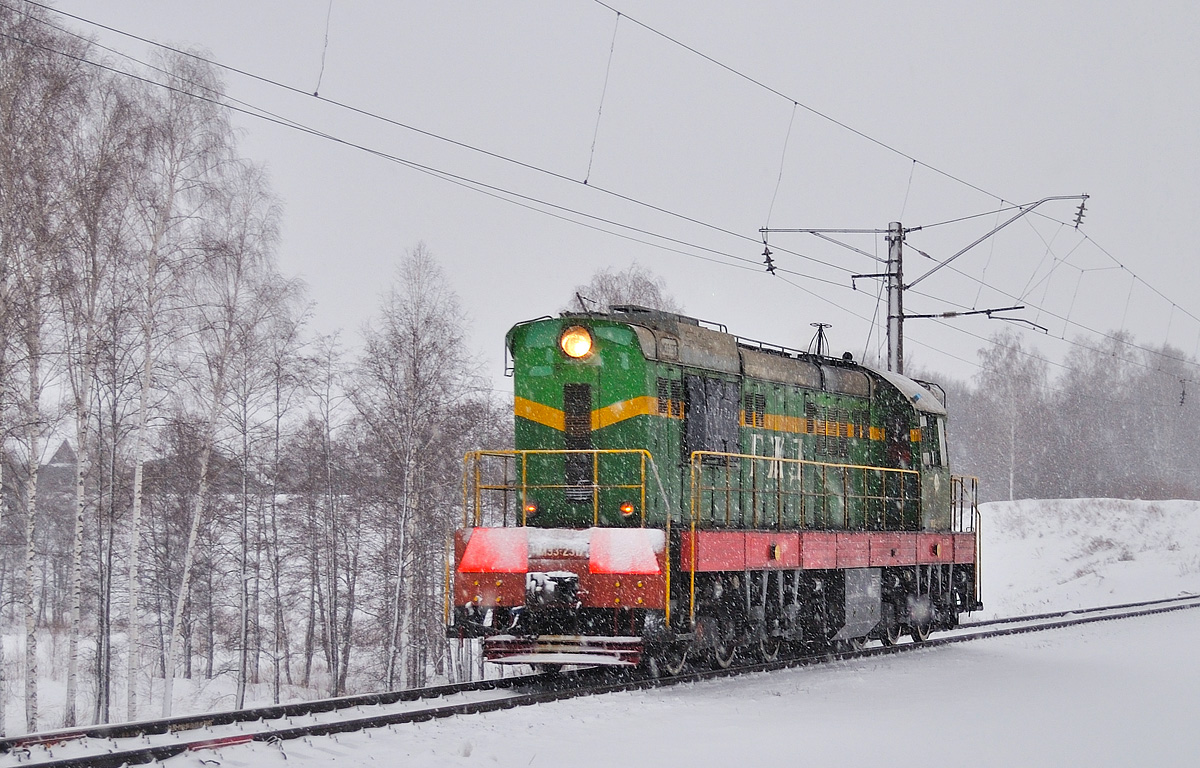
(272,712)
(572,687)
(1076,611)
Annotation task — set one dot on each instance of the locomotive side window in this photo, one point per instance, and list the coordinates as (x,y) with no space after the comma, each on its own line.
(933,441)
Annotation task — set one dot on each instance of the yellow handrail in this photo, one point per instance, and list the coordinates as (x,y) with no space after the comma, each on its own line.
(964,501)
(978,524)
(964,494)
(474,486)
(734,487)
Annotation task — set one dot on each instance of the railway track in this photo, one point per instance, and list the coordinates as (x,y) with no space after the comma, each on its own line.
(27,747)
(144,742)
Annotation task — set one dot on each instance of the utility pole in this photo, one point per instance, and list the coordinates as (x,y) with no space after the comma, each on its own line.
(895,292)
(893,274)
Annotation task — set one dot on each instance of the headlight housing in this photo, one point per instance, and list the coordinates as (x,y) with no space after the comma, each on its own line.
(576,342)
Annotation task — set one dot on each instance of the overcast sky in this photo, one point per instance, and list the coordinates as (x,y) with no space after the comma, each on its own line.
(1022,100)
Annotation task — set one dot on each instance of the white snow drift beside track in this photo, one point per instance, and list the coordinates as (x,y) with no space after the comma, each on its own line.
(1059,554)
(1108,694)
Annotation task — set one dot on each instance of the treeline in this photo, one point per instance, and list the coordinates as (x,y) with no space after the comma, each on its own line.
(242,498)
(1115,419)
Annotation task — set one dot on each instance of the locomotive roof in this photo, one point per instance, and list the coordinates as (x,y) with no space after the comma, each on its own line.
(710,345)
(921,397)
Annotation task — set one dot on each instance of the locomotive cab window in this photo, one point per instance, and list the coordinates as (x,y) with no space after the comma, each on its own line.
(933,441)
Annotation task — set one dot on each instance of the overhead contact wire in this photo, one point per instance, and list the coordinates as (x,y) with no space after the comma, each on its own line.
(782,162)
(464,181)
(603,92)
(500,193)
(432,135)
(564,177)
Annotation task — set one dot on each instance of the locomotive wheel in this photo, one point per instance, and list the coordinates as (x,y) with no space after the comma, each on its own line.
(919,632)
(723,654)
(656,668)
(669,661)
(892,634)
(769,647)
(849,645)
(892,631)
(724,650)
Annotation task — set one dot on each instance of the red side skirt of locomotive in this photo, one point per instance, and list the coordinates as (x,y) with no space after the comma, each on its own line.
(807,550)
(627,568)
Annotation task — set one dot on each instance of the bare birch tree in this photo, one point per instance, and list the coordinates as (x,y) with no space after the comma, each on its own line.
(256,373)
(184,141)
(1012,390)
(633,285)
(286,367)
(99,199)
(41,97)
(320,480)
(415,370)
(232,290)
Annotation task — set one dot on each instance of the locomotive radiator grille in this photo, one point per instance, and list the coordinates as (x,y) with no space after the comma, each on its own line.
(577,420)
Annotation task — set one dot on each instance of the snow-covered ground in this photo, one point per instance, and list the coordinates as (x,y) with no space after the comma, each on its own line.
(1109,694)
(1038,556)
(1077,553)
(190,696)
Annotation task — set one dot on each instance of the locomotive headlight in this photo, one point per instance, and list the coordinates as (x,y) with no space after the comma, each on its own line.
(576,342)
(530,508)
(627,509)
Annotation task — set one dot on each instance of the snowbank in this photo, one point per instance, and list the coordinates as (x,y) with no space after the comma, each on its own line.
(1075,553)
(1071,697)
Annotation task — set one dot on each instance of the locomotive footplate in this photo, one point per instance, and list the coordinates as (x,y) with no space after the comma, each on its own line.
(583,650)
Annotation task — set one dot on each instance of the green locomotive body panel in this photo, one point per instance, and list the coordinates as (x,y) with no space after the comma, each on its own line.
(806,500)
(659,387)
(609,391)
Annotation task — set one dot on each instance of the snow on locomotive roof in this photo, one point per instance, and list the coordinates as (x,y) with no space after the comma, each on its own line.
(710,345)
(920,397)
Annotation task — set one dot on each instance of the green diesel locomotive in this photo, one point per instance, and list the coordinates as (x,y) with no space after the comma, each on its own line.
(679,492)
